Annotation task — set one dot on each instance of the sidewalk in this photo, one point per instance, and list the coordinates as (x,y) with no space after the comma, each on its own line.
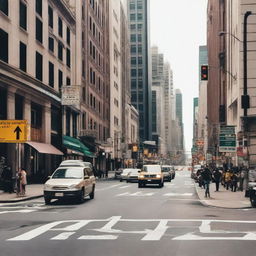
(33,191)
(223,198)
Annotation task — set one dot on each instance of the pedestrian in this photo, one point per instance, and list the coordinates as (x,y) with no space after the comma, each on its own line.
(217,177)
(7,179)
(241,179)
(18,182)
(207,177)
(227,179)
(23,181)
(234,180)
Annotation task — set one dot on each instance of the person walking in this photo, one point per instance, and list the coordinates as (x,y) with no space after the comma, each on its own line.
(23,181)
(207,177)
(217,177)
(234,180)
(7,179)
(18,182)
(227,179)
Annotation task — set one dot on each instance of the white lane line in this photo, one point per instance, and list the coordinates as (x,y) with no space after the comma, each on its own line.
(103,237)
(157,233)
(106,188)
(124,187)
(139,194)
(63,236)
(177,194)
(18,211)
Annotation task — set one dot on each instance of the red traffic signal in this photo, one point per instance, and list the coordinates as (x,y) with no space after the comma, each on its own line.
(204,72)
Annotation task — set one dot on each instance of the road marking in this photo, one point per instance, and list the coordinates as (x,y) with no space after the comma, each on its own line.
(18,211)
(63,236)
(139,194)
(106,188)
(124,187)
(105,237)
(177,194)
(202,230)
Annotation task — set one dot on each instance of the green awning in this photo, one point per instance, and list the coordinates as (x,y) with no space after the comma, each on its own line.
(76,145)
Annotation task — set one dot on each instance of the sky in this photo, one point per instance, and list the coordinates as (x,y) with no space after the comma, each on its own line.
(178,28)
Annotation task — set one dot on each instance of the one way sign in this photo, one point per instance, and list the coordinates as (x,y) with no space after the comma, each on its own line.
(13,131)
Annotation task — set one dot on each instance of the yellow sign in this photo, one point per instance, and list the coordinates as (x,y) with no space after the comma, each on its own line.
(13,131)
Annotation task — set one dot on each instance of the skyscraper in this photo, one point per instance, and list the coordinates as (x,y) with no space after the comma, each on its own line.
(138,15)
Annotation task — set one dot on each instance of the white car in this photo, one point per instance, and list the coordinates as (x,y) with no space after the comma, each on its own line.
(70,182)
(75,163)
(125,173)
(133,175)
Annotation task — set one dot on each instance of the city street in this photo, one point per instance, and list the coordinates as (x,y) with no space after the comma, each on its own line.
(125,220)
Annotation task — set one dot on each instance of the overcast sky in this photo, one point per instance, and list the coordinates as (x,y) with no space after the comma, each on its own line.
(178,27)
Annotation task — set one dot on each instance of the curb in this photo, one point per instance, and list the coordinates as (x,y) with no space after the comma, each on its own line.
(215,206)
(21,200)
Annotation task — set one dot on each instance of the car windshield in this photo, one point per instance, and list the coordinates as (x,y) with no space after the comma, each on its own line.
(166,169)
(68,173)
(152,168)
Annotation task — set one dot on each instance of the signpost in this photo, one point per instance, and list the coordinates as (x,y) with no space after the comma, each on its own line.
(227,139)
(70,95)
(13,131)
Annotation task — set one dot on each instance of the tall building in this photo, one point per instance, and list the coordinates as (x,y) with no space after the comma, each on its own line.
(158,100)
(195,120)
(138,15)
(179,118)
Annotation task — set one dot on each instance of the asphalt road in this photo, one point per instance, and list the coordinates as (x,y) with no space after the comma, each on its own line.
(125,220)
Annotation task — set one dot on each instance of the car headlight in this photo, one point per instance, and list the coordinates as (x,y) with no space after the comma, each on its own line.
(141,176)
(74,186)
(158,176)
(46,186)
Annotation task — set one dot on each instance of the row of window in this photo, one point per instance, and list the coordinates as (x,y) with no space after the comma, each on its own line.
(134,83)
(135,61)
(133,16)
(97,11)
(94,53)
(136,38)
(95,32)
(139,5)
(139,26)
(134,95)
(136,72)
(136,49)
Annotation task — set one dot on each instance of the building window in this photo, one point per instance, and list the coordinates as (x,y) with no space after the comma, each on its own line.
(133,37)
(36,116)
(60,51)
(50,16)
(133,84)
(68,35)
(139,48)
(39,66)
(133,49)
(139,26)
(83,68)
(68,57)
(140,60)
(132,6)
(39,7)
(133,72)
(60,27)
(139,6)
(60,79)
(133,60)
(51,74)
(68,82)
(134,97)
(132,26)
(4,46)
(140,38)
(140,72)
(23,57)
(4,6)
(23,15)
(140,84)
(51,44)
(140,96)
(140,16)
(39,30)
(132,16)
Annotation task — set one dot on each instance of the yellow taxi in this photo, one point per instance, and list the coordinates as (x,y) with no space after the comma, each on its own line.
(151,174)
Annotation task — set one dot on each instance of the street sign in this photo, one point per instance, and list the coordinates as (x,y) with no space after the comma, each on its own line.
(227,139)
(13,131)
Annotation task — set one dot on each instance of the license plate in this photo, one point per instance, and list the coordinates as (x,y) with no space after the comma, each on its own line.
(58,194)
(149,180)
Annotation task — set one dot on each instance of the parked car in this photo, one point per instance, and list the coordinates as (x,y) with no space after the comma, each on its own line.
(124,174)
(166,169)
(118,173)
(133,175)
(75,182)
(151,174)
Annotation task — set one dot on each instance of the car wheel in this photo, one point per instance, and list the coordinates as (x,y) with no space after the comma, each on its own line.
(170,179)
(91,195)
(139,185)
(81,197)
(127,181)
(47,200)
(121,180)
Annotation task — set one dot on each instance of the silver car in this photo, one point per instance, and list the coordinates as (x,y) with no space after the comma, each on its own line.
(133,175)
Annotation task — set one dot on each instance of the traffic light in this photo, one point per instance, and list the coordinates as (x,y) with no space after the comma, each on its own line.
(204,73)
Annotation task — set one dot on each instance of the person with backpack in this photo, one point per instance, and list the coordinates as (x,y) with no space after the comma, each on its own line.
(207,177)
(217,177)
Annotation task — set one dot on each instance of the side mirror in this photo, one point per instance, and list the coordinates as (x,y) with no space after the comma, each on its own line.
(139,171)
(86,177)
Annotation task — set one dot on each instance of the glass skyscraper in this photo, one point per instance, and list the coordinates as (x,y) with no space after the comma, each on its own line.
(138,15)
